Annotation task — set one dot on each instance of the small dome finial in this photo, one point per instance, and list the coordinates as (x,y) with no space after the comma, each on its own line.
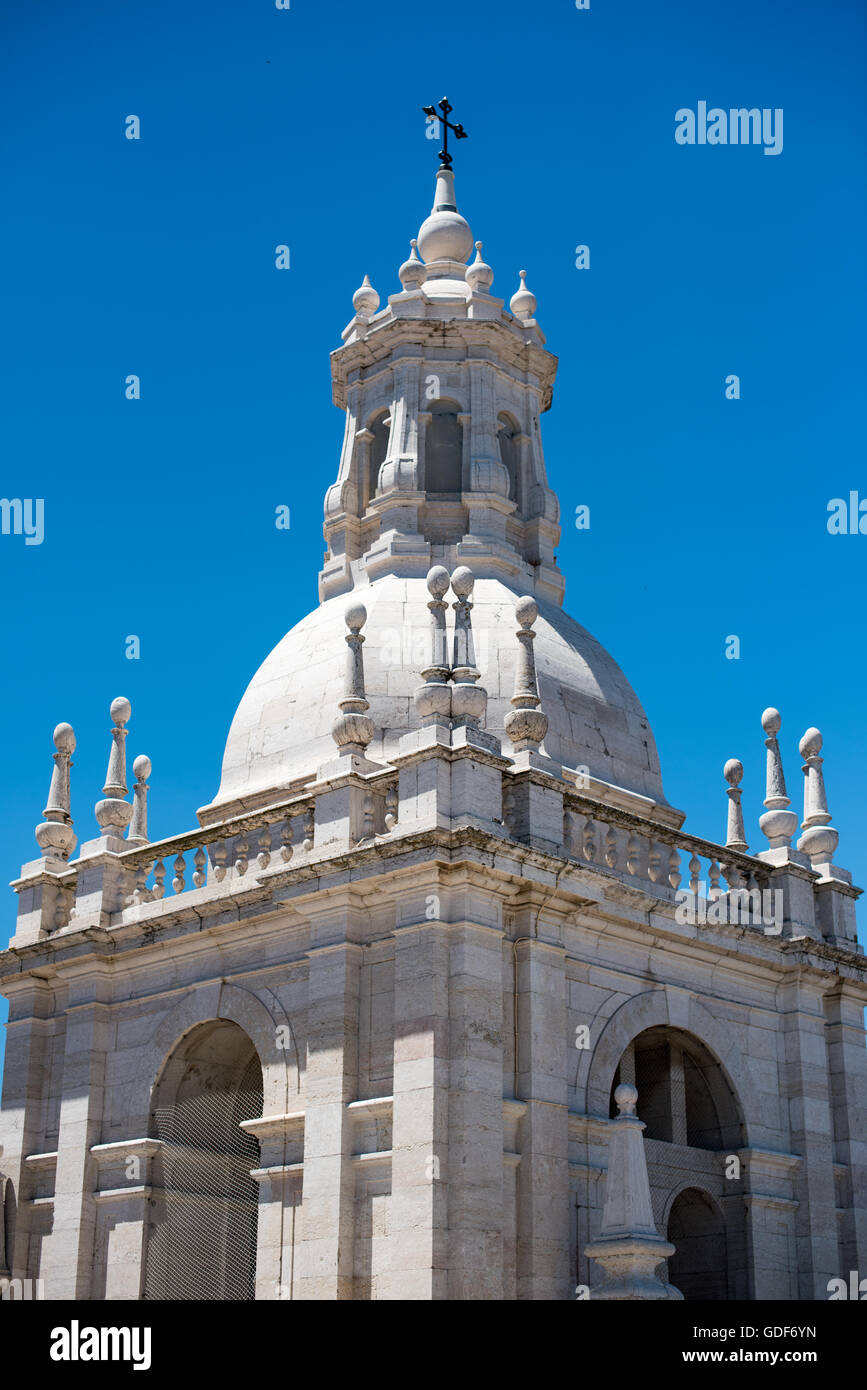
(412,272)
(365,301)
(523,301)
(479,275)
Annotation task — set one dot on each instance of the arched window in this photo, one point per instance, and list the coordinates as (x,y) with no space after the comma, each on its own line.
(379,428)
(202,1225)
(510,454)
(444,449)
(683,1094)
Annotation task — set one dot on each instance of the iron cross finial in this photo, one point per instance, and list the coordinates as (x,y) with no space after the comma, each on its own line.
(459,132)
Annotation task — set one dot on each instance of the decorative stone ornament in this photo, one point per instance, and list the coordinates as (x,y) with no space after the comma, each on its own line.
(819,839)
(353,728)
(469,700)
(433,700)
(412,273)
(138,829)
(523,301)
(480,276)
(114,813)
(778,823)
(735,834)
(629,1247)
(55,836)
(526,725)
(365,301)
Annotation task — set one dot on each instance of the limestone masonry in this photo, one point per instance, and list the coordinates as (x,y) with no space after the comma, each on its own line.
(414,1012)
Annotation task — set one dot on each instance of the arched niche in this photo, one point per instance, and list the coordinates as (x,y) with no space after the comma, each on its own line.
(379,426)
(508,431)
(444,448)
(203,1213)
(697,1229)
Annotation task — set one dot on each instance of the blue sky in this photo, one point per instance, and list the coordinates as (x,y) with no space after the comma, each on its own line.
(261,127)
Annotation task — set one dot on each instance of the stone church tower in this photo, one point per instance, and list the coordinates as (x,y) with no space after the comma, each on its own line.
(358,1035)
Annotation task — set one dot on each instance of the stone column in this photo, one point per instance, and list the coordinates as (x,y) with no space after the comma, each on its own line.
(325,1257)
(69,1250)
(543,1173)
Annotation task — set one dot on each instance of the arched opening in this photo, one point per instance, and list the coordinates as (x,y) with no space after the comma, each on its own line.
(379,427)
(693,1133)
(696,1229)
(444,448)
(202,1226)
(507,435)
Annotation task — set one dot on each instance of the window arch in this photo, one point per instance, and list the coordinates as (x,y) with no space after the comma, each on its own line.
(379,427)
(510,453)
(684,1096)
(444,448)
(203,1218)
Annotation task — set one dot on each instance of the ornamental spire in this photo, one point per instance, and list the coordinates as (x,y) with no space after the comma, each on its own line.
(526,724)
(735,833)
(55,836)
(114,813)
(469,700)
(819,839)
(778,823)
(433,700)
(352,730)
(138,828)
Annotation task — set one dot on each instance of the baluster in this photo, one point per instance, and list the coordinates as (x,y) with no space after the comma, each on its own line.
(733,875)
(589,840)
(286,840)
(263,858)
(179,882)
(694,875)
(714,890)
(218,859)
(674,874)
(159,887)
(654,863)
(369,824)
(633,854)
(242,849)
(391,806)
(571,830)
(199,862)
(611,847)
(309,829)
(141,894)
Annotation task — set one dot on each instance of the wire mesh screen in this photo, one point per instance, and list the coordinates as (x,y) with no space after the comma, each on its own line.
(202,1236)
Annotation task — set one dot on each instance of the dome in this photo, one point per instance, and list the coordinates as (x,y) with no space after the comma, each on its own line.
(281,732)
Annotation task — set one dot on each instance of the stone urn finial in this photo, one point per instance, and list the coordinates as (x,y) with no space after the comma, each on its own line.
(138,826)
(433,700)
(735,833)
(352,730)
(469,700)
(525,723)
(55,836)
(778,823)
(819,839)
(114,813)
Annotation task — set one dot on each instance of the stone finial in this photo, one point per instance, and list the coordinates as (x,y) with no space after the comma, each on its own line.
(469,700)
(479,276)
(525,723)
(365,301)
(55,836)
(819,839)
(113,814)
(433,700)
(629,1247)
(413,271)
(735,834)
(778,823)
(523,301)
(352,730)
(138,828)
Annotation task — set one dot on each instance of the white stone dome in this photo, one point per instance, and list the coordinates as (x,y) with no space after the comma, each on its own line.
(281,732)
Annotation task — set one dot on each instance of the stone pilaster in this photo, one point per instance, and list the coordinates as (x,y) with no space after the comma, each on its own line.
(847,1066)
(25,1080)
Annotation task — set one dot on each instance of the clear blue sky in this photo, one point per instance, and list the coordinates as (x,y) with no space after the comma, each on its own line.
(261,127)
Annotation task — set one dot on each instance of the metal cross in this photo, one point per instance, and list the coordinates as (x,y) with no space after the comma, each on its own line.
(460,133)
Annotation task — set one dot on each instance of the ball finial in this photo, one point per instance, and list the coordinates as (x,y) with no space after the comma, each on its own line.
(142,767)
(811,744)
(120,711)
(365,300)
(355,616)
(526,611)
(626,1098)
(64,738)
(463,580)
(437,581)
(733,771)
(772,721)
